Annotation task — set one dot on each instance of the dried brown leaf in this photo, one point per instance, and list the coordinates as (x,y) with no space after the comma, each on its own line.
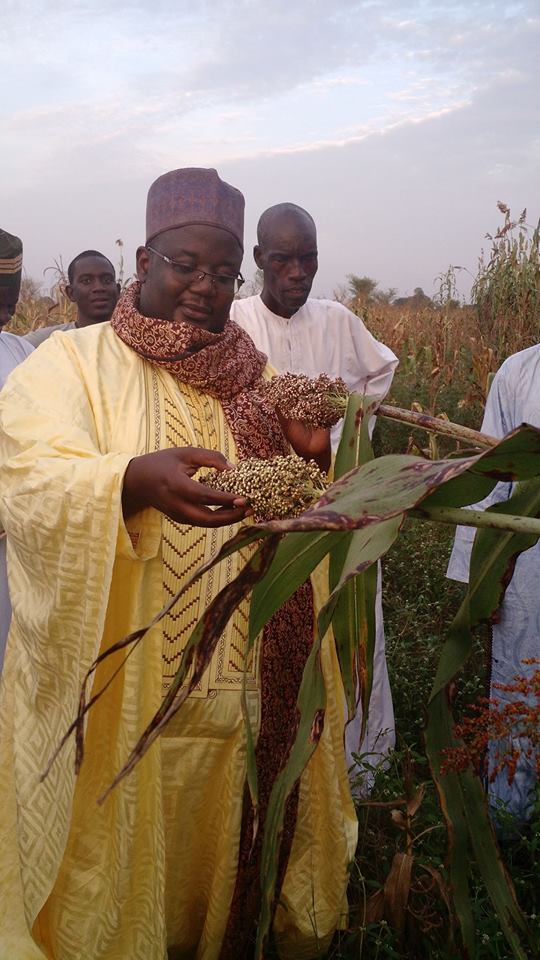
(415,802)
(396,891)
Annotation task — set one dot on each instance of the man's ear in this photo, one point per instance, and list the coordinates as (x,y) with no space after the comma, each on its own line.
(68,290)
(257,256)
(143,260)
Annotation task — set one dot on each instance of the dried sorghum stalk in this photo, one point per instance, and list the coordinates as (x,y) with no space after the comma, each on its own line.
(277,488)
(320,402)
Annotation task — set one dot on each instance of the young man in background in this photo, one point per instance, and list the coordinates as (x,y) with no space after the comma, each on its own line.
(92,287)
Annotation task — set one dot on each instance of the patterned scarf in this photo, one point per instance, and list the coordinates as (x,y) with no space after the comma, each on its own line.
(224,365)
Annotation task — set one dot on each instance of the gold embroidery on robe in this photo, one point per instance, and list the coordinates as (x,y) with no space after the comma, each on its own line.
(183,417)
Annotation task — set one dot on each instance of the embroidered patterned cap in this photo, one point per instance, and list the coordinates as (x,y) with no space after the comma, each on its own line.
(194,195)
(10,259)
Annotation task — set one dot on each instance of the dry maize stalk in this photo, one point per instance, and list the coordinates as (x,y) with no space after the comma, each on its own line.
(321,402)
(437,425)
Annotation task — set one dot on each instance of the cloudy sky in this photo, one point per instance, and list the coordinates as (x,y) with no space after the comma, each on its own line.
(397,124)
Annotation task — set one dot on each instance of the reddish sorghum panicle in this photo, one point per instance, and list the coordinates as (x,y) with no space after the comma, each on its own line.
(320,402)
(496,720)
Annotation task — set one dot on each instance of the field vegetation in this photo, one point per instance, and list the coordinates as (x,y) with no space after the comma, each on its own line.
(400,902)
(448,353)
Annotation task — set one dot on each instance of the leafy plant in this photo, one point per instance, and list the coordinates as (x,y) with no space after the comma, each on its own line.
(364,511)
(507,288)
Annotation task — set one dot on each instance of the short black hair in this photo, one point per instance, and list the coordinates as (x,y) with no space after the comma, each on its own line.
(82,256)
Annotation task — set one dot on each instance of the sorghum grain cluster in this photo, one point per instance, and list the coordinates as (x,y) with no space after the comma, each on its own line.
(319,402)
(276,489)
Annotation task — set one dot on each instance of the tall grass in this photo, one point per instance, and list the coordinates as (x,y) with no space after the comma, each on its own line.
(35,310)
(507,287)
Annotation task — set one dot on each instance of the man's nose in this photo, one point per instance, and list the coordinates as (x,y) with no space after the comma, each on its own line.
(297,269)
(206,278)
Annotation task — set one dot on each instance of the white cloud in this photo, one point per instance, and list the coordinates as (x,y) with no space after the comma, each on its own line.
(104,98)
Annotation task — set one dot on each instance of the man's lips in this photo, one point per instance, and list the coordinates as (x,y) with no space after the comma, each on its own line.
(100,301)
(196,310)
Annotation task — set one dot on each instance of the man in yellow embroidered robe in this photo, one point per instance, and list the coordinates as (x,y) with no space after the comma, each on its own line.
(98,446)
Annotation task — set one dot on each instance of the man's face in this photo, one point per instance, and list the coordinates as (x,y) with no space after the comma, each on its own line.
(288,258)
(8,303)
(94,290)
(175,292)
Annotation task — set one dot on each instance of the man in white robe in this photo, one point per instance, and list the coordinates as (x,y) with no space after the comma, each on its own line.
(12,351)
(300,334)
(514,398)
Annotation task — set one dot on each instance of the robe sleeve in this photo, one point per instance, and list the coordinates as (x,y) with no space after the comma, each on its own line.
(60,492)
(370,366)
(60,503)
(374,362)
(497,422)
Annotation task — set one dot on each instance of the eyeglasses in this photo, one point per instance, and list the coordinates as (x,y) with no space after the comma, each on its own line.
(194,275)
